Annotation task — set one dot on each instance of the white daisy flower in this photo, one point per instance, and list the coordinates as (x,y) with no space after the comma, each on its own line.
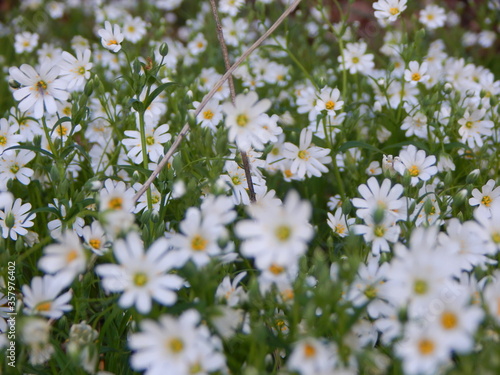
(13,166)
(42,297)
(141,276)
(111,37)
(134,28)
(211,115)
(245,122)
(41,88)
(432,16)
(418,165)
(328,100)
(307,160)
(178,344)
(389,10)
(15,218)
(355,59)
(416,73)
(474,127)
(382,197)
(25,42)
(198,238)
(66,257)
(9,135)
(94,238)
(155,140)
(76,70)
(279,235)
(339,222)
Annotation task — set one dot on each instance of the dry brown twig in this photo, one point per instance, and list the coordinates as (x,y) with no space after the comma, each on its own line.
(225,54)
(209,96)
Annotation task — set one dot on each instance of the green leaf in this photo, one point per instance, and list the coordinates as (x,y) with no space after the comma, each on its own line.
(32,148)
(157,92)
(352,144)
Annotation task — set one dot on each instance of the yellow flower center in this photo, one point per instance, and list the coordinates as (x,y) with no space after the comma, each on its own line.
(420,287)
(62,130)
(195,368)
(329,105)
(496,237)
(426,347)
(72,255)
(140,279)
(242,120)
(81,70)
(283,232)
(304,155)
(208,114)
(198,243)
(288,173)
(469,124)
(355,60)
(416,77)
(115,203)
(340,228)
(371,292)
(42,85)
(236,180)
(150,140)
(486,200)
(379,231)
(3,140)
(111,42)
(44,306)
(275,269)
(309,351)
(176,345)
(430,17)
(200,45)
(155,198)
(449,320)
(287,295)
(414,171)
(95,243)
(14,168)
(394,11)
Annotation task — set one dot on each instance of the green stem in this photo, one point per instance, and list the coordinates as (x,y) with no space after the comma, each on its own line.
(142,130)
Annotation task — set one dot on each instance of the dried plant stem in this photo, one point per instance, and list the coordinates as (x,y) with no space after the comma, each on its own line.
(209,96)
(225,54)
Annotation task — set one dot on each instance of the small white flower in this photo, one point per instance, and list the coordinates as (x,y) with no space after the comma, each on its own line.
(66,257)
(43,297)
(487,196)
(307,160)
(474,127)
(432,16)
(25,42)
(417,163)
(416,73)
(41,88)
(246,123)
(15,218)
(389,10)
(111,37)
(329,100)
(141,276)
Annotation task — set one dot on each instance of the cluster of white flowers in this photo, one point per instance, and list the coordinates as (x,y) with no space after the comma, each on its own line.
(202,276)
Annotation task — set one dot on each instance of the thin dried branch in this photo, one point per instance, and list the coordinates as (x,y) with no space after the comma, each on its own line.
(225,54)
(209,96)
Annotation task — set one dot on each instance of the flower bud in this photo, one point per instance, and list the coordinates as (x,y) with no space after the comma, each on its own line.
(164,49)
